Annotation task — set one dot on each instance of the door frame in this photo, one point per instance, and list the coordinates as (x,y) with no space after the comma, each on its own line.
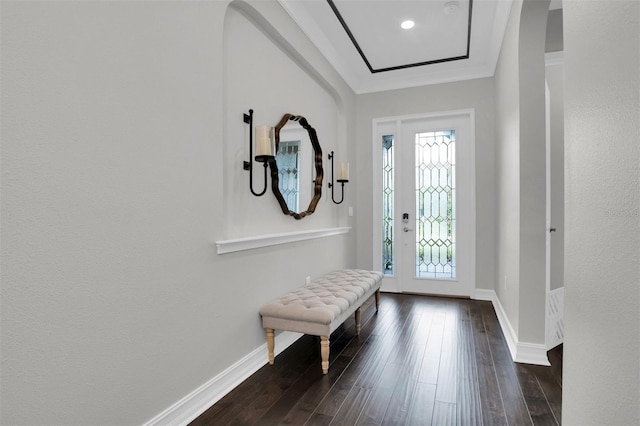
(390,283)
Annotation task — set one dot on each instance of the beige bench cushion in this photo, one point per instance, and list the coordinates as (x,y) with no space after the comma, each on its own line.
(323,305)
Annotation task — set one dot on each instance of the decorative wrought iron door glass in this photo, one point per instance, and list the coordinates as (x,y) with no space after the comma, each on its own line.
(287,160)
(388,170)
(435,204)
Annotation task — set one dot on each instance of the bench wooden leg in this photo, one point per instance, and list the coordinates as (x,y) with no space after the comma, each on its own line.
(377,300)
(270,344)
(324,353)
(358,321)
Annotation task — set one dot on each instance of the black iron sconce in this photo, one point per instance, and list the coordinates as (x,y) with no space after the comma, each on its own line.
(265,150)
(343,177)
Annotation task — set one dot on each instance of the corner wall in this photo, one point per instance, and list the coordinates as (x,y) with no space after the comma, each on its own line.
(508,169)
(520,131)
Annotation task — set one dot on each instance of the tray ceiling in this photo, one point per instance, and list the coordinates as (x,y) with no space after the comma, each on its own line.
(363,39)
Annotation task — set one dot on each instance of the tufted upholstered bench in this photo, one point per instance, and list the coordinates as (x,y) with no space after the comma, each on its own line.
(321,306)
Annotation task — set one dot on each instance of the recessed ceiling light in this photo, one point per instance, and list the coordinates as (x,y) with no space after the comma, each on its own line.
(408,24)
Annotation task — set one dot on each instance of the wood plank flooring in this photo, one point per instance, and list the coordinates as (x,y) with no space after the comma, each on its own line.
(419,361)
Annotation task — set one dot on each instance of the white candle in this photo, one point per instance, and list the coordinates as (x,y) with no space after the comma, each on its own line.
(263,140)
(343,172)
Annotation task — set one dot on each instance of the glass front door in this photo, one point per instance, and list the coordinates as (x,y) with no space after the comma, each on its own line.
(426,205)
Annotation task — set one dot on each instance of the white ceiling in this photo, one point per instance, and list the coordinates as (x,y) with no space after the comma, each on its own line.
(438,49)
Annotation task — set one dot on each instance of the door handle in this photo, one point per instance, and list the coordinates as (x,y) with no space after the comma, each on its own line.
(406,229)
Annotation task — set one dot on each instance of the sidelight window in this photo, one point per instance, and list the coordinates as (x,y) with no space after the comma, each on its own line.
(388,256)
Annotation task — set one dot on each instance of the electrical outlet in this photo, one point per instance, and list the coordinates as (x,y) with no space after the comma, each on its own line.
(307,280)
(505,282)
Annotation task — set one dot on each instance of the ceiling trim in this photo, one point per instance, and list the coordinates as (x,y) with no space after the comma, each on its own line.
(335,10)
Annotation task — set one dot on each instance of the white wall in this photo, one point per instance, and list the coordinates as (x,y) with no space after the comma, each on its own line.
(115,187)
(476,94)
(602,246)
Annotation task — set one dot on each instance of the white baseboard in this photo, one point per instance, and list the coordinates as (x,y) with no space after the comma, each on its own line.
(194,404)
(484,294)
(522,352)
(532,353)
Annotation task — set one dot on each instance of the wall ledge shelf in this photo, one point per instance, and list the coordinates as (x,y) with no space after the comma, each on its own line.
(249,243)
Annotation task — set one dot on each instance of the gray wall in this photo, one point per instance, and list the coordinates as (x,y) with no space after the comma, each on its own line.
(477,94)
(553,39)
(555,78)
(602,246)
(532,159)
(520,144)
(508,169)
(122,143)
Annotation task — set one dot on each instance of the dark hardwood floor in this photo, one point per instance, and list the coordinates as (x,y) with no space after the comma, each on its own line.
(419,361)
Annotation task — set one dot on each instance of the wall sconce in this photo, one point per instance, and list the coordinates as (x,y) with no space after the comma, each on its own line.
(265,150)
(343,177)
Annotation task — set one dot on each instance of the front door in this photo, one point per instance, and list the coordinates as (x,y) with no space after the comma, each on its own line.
(424,228)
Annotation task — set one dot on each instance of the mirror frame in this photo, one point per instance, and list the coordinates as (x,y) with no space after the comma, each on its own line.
(275,180)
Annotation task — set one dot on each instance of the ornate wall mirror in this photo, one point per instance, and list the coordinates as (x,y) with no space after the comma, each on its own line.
(296,172)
